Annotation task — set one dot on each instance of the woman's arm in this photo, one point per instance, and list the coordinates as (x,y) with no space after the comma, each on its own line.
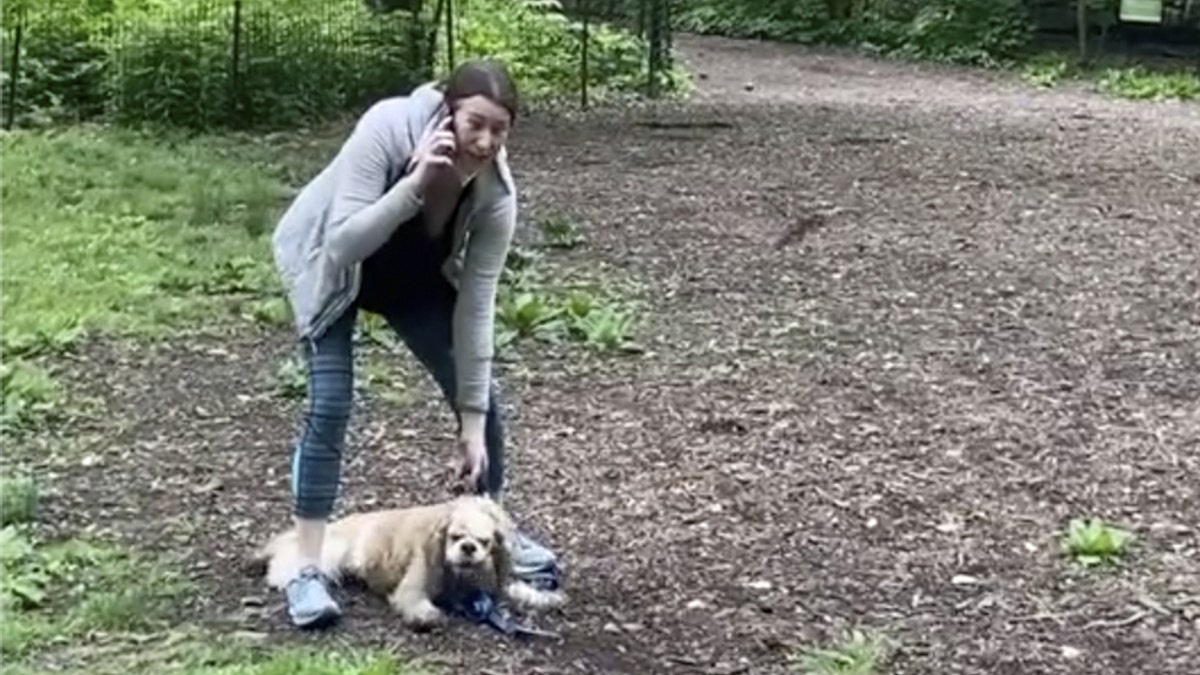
(362,214)
(475,311)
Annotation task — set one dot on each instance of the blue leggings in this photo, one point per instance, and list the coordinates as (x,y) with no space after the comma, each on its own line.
(317,456)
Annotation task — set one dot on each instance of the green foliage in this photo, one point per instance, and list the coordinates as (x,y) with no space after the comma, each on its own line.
(291,378)
(1114,76)
(313,662)
(1047,70)
(1093,542)
(290,63)
(182,63)
(62,591)
(543,49)
(107,230)
(855,653)
(18,500)
(531,307)
(977,32)
(560,231)
(61,60)
(284,63)
(30,395)
(1140,83)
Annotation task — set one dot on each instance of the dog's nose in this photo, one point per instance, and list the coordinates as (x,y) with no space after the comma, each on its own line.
(468,548)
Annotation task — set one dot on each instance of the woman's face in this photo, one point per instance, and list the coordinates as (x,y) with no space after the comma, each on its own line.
(480,129)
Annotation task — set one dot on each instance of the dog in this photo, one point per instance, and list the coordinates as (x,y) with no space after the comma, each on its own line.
(413,556)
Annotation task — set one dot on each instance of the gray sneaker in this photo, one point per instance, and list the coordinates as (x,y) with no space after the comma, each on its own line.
(309,603)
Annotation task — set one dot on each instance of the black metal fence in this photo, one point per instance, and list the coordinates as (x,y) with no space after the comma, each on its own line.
(260,63)
(207,62)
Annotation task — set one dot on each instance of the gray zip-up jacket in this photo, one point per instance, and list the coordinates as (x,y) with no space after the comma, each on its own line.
(352,207)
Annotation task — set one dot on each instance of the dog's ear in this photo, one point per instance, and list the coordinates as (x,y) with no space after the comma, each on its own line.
(435,540)
(503,533)
(501,558)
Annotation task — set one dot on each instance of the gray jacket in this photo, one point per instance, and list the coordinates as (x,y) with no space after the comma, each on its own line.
(352,207)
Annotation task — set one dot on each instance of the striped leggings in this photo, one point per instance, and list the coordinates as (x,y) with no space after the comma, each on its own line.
(317,454)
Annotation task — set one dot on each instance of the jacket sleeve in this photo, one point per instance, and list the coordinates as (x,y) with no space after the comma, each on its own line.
(475,309)
(363,211)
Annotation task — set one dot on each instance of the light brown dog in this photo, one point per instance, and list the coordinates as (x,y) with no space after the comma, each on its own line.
(412,555)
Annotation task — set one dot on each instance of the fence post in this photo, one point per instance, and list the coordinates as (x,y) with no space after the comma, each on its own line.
(655,38)
(584,6)
(235,70)
(11,113)
(449,35)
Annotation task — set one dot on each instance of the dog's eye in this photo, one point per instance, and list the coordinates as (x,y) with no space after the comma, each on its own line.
(456,537)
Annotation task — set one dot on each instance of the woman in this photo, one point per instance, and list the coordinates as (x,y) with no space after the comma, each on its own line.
(411,220)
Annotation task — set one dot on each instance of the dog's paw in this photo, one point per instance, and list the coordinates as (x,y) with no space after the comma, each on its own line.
(420,614)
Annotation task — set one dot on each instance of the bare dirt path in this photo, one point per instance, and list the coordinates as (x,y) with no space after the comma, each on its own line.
(990,327)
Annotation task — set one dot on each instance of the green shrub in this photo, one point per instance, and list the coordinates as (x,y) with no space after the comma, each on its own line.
(177,62)
(289,62)
(974,32)
(29,395)
(1140,83)
(60,64)
(543,49)
(18,500)
(978,32)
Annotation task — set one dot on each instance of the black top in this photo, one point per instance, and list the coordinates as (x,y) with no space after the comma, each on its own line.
(406,271)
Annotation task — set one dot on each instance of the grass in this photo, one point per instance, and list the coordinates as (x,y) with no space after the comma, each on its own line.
(84,607)
(135,236)
(122,233)
(131,236)
(78,606)
(56,593)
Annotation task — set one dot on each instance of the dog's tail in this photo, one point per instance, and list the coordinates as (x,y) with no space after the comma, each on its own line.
(278,559)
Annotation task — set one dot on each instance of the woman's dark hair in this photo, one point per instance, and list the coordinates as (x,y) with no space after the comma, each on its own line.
(482,77)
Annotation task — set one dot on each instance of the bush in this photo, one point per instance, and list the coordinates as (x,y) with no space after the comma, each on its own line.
(973,32)
(60,64)
(294,63)
(976,32)
(178,62)
(543,49)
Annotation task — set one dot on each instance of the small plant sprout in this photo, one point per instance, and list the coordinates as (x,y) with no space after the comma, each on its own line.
(291,379)
(1092,542)
(607,328)
(856,653)
(560,231)
(529,314)
(521,269)
(579,303)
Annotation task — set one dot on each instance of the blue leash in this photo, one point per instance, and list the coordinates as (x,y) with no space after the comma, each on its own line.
(480,606)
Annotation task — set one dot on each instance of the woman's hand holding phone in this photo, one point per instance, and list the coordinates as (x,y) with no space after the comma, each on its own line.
(435,152)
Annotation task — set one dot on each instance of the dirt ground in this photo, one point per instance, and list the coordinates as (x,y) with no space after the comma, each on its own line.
(905,323)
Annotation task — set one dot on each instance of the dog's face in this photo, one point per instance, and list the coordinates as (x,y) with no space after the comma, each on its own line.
(475,536)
